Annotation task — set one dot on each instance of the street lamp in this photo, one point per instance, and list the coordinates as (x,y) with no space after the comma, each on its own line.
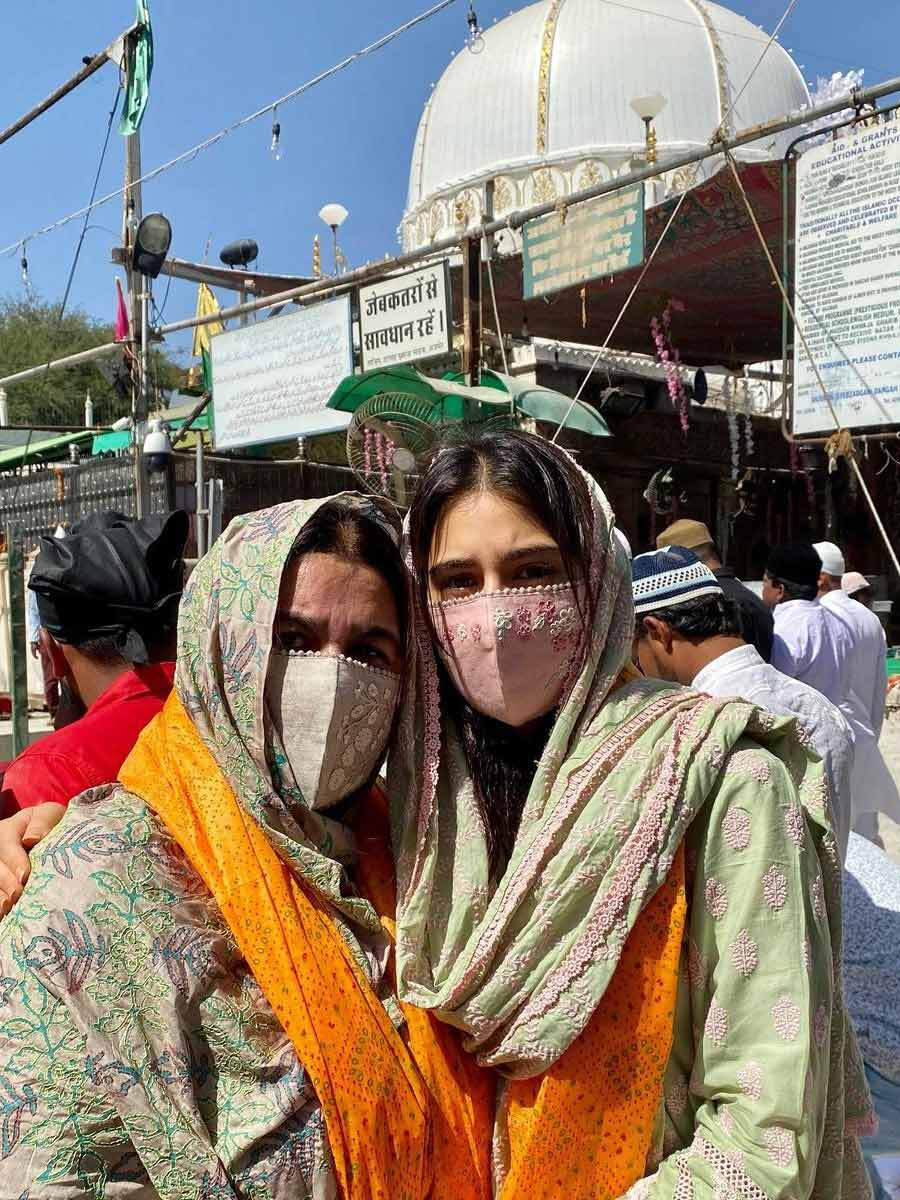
(334,215)
(151,245)
(647,108)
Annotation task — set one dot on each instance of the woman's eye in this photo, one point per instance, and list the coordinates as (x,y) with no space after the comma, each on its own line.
(458,585)
(536,571)
(371,655)
(292,642)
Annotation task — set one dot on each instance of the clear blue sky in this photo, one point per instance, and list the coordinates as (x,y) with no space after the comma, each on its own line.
(347,140)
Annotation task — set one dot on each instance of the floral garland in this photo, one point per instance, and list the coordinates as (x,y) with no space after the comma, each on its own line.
(383,449)
(748,421)
(668,356)
(734,433)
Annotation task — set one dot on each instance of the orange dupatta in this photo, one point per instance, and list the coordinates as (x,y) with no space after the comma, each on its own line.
(413,1119)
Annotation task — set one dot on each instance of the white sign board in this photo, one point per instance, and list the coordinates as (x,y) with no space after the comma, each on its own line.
(847,281)
(405,318)
(272,381)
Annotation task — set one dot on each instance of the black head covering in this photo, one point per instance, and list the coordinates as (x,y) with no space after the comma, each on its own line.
(112,577)
(796,563)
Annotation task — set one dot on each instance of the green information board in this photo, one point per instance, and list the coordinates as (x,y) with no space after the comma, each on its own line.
(599,237)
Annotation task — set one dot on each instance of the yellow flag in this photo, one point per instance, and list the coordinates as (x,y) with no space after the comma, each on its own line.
(207,304)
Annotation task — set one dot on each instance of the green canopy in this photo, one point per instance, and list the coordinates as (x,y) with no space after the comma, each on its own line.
(47,450)
(120,439)
(544,404)
(453,401)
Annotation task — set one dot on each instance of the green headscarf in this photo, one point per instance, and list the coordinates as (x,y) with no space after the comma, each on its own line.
(520,965)
(225,636)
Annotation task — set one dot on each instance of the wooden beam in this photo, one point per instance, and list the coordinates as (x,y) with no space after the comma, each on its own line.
(92,65)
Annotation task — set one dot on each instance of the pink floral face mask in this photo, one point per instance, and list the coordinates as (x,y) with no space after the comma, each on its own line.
(509,653)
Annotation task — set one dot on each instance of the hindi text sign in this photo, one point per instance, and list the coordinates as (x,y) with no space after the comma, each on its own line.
(596,238)
(847,281)
(405,318)
(272,381)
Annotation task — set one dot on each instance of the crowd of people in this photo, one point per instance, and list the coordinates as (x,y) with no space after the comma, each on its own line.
(456,859)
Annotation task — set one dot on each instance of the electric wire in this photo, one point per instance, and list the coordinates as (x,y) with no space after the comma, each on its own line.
(71,276)
(194,151)
(851,456)
(688,185)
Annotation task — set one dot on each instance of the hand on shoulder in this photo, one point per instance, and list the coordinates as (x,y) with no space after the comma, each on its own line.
(18,834)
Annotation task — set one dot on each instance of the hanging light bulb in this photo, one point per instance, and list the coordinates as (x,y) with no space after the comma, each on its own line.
(275,147)
(474,41)
(131,220)
(26,278)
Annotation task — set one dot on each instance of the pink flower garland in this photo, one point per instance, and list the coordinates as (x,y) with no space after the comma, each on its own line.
(668,356)
(379,446)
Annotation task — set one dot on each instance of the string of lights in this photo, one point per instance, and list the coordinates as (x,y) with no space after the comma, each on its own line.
(194,151)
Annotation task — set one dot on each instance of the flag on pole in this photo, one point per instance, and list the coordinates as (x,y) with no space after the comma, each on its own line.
(207,304)
(138,69)
(121,324)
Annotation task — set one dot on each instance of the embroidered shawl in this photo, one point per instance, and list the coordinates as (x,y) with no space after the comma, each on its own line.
(520,965)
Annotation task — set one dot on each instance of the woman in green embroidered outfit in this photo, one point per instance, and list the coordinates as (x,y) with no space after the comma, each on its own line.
(139,1056)
(538,801)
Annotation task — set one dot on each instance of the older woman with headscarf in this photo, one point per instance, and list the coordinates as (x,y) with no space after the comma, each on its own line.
(197,985)
(624,894)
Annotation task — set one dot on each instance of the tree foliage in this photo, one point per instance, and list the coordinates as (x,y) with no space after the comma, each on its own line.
(31,332)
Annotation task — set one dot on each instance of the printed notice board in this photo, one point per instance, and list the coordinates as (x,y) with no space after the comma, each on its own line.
(405,318)
(847,281)
(272,381)
(599,237)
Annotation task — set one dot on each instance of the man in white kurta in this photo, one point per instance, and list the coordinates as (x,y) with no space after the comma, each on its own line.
(810,644)
(872,786)
(696,641)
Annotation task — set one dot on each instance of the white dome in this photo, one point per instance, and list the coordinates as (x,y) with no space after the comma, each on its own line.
(544,109)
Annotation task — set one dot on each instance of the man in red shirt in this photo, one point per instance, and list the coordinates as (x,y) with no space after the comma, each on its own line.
(108,600)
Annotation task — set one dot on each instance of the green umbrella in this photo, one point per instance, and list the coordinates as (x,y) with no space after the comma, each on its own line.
(544,404)
(451,400)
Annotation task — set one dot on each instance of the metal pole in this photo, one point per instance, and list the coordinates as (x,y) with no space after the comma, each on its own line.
(139,415)
(114,52)
(515,220)
(471,288)
(18,663)
(70,360)
(202,508)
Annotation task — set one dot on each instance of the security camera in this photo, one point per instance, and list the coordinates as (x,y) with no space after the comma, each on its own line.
(157,447)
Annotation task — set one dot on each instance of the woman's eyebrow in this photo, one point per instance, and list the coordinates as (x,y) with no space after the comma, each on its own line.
(528,551)
(294,622)
(375,631)
(455,563)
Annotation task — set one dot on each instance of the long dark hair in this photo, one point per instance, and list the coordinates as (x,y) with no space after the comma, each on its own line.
(346,532)
(538,477)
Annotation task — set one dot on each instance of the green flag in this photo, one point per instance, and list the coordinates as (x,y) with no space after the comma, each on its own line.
(139,66)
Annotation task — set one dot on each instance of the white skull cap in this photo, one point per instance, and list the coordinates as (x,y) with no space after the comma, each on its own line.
(832,558)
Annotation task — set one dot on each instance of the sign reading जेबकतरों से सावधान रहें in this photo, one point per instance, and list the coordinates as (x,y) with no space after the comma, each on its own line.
(847,281)
(587,241)
(272,381)
(405,318)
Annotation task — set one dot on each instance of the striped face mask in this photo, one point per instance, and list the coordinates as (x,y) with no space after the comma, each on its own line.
(510,653)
